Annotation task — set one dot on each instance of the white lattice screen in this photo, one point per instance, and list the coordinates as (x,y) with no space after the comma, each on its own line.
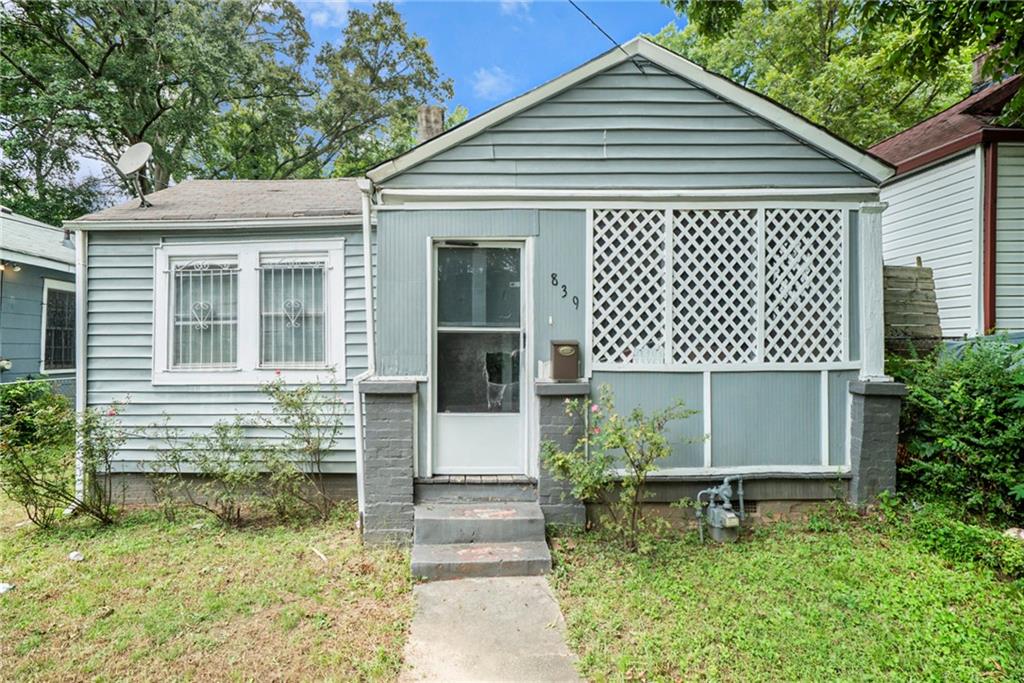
(803,286)
(714,268)
(629,286)
(718,286)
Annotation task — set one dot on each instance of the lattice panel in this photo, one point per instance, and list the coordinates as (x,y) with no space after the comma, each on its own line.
(714,286)
(629,286)
(803,285)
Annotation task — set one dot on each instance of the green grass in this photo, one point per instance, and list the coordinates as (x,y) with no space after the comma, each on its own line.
(193,601)
(785,604)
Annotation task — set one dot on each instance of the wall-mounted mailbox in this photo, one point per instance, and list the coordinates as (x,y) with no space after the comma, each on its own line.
(565,360)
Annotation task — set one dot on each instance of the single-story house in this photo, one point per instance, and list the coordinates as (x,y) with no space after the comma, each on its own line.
(37,302)
(956,203)
(696,241)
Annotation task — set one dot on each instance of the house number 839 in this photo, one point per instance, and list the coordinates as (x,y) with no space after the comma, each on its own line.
(564,290)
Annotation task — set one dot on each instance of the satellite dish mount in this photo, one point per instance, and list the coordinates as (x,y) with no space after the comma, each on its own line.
(131,162)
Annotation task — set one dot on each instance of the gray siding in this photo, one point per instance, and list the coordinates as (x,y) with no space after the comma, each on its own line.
(120,347)
(21,308)
(404,248)
(765,418)
(758,418)
(652,391)
(626,129)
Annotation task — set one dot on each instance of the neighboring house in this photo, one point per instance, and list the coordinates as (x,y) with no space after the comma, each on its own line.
(37,302)
(698,241)
(957,204)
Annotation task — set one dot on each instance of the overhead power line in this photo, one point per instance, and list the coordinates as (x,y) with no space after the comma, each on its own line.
(608,36)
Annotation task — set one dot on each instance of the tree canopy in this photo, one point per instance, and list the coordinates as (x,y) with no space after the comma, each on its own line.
(814,57)
(220,90)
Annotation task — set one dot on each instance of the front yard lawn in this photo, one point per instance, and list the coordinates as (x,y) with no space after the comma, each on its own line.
(788,605)
(190,600)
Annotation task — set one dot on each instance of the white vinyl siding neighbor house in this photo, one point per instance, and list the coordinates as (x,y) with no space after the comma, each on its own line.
(957,204)
(1009,266)
(935,216)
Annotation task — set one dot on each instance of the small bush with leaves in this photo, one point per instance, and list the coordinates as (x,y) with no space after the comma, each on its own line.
(219,472)
(611,441)
(311,418)
(962,427)
(37,454)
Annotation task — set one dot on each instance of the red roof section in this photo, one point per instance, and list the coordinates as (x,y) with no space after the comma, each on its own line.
(950,131)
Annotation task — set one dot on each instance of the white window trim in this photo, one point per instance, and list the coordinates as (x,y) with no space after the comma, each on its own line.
(63,286)
(248,370)
(845,362)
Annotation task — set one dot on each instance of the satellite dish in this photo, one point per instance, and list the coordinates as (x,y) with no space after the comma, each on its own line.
(131,162)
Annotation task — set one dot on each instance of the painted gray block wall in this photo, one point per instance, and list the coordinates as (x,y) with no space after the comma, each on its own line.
(555,496)
(120,345)
(388,452)
(21,308)
(627,129)
(874,433)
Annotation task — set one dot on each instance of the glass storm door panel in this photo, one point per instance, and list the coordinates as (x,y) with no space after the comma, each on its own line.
(478,368)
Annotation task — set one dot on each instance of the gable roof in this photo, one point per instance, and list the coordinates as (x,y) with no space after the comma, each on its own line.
(234,200)
(963,125)
(25,240)
(814,135)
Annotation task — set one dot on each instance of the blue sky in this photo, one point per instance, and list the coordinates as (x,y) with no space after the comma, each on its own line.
(497,49)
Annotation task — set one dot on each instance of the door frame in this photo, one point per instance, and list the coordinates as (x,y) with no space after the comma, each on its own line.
(527,404)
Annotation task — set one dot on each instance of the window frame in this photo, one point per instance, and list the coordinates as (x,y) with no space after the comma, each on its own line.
(248,370)
(64,286)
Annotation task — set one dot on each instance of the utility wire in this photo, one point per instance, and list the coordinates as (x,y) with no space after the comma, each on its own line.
(606,35)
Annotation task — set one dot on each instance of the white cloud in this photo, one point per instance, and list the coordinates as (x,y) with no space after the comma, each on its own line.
(322,13)
(516,8)
(492,83)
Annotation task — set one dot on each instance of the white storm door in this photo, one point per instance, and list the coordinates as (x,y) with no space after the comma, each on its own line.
(479,425)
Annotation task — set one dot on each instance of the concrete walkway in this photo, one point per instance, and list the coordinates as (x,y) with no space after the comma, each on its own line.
(500,629)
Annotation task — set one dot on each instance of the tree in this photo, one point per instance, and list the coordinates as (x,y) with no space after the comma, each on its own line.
(218,89)
(387,142)
(811,56)
(936,30)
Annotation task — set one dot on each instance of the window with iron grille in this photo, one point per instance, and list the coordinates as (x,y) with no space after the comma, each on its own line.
(292,331)
(713,287)
(249,312)
(58,326)
(204,333)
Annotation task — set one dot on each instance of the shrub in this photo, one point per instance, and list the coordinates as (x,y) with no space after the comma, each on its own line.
(962,427)
(936,529)
(219,472)
(609,441)
(37,454)
(311,417)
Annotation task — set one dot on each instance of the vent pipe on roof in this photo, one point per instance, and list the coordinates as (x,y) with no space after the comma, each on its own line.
(429,121)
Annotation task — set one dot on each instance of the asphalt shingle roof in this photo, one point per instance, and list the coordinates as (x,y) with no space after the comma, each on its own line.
(23,235)
(973,114)
(204,200)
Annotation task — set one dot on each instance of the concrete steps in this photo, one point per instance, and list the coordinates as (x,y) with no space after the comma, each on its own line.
(478,539)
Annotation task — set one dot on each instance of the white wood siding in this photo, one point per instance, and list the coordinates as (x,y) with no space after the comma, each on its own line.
(120,348)
(1010,238)
(936,215)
